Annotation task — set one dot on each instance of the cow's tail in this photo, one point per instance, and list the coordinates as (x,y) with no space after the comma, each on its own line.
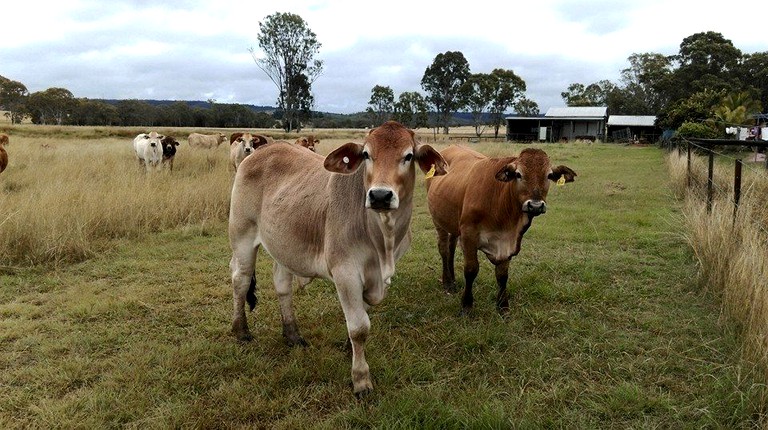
(250,296)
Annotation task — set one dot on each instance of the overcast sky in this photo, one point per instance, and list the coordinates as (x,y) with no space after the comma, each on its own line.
(198,50)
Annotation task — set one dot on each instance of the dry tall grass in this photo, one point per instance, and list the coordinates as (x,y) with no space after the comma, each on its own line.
(732,253)
(64,200)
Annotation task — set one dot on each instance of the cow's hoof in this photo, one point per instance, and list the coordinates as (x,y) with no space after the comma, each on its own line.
(296,341)
(450,288)
(243,336)
(363,391)
(465,312)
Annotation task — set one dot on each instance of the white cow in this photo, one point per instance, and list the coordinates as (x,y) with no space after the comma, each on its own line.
(149,150)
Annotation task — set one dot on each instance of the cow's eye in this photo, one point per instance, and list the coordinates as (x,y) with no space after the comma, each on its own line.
(366,156)
(408,157)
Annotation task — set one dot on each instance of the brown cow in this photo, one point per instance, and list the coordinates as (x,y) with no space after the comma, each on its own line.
(309,142)
(4,139)
(3,154)
(357,226)
(488,203)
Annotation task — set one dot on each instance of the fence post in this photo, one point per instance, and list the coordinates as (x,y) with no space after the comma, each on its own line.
(736,187)
(710,181)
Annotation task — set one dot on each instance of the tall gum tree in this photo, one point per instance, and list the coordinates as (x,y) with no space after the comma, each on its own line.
(289,47)
(442,82)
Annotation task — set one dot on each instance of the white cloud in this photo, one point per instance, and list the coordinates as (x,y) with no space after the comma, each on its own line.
(194,49)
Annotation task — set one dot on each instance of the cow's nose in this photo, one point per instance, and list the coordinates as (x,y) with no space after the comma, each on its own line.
(247,150)
(535,207)
(380,198)
(153,144)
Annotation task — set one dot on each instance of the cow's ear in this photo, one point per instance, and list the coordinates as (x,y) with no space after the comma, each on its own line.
(346,159)
(562,172)
(428,158)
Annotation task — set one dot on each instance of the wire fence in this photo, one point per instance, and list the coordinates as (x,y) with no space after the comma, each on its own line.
(721,186)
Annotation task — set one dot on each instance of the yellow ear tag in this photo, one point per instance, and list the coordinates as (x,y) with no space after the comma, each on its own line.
(561,181)
(431,173)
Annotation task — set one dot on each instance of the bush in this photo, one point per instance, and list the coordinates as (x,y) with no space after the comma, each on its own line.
(696,130)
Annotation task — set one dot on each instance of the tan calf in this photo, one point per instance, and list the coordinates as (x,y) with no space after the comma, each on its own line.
(357,204)
(309,142)
(242,145)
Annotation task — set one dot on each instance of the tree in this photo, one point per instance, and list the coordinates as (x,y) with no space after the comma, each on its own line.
(51,106)
(136,113)
(526,107)
(411,110)
(595,94)
(13,97)
(646,85)
(381,104)
(508,89)
(696,108)
(477,92)
(735,109)
(708,61)
(289,47)
(753,73)
(94,112)
(442,81)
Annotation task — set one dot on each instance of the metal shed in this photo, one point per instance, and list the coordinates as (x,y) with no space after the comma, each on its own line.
(560,124)
(633,128)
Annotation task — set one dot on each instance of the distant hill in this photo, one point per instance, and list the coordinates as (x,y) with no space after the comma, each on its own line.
(193,104)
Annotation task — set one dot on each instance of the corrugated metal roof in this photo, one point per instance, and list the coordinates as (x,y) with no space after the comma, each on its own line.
(632,120)
(577,111)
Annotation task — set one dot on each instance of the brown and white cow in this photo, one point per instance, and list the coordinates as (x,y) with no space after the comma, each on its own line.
(488,203)
(309,142)
(3,153)
(197,140)
(242,145)
(357,226)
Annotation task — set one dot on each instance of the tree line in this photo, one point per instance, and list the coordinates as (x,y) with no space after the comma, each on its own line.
(707,86)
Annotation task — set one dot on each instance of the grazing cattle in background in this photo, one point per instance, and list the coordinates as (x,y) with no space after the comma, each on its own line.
(169,144)
(197,140)
(488,203)
(358,225)
(309,142)
(4,139)
(243,145)
(149,150)
(3,154)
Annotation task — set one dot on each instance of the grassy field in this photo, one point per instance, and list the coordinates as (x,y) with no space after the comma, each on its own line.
(129,327)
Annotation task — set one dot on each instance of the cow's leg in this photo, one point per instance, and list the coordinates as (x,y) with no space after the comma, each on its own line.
(446,245)
(243,288)
(471,268)
(283,280)
(502,299)
(350,291)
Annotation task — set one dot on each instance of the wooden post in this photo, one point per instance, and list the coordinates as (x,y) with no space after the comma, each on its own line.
(710,181)
(736,187)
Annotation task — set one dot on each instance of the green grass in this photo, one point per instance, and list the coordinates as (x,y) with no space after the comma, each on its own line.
(608,328)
